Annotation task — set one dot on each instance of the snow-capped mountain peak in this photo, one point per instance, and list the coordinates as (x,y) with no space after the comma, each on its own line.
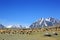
(14,26)
(44,22)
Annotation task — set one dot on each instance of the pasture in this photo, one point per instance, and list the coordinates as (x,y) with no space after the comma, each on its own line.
(32,36)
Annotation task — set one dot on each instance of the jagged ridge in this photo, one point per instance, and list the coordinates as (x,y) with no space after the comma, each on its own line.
(45,22)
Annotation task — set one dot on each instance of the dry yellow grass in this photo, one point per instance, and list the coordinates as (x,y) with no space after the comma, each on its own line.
(33,36)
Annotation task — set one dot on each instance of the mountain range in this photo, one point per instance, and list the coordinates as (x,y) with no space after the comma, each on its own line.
(45,22)
(42,22)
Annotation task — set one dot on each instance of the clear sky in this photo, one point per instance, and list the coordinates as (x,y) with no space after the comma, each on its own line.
(25,12)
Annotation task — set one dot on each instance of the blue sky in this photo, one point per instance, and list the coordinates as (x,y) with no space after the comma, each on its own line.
(25,12)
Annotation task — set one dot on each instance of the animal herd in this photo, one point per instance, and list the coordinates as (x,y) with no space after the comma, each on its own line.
(27,31)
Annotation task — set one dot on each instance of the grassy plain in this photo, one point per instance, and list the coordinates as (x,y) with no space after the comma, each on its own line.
(32,36)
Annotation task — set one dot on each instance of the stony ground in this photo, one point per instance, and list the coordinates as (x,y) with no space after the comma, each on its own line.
(33,36)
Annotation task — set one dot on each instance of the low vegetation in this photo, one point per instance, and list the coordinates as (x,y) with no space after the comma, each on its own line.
(30,34)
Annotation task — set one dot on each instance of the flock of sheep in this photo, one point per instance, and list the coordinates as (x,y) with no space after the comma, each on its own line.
(29,31)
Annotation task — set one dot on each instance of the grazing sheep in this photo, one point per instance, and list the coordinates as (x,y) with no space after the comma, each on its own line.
(7,31)
(47,34)
(2,31)
(43,29)
(55,33)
